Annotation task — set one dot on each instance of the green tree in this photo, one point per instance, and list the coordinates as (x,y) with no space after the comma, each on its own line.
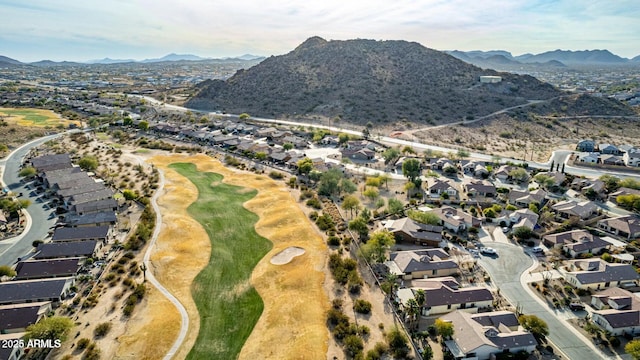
(330,182)
(373,181)
(365,214)
(6,270)
(353,345)
(143,125)
(411,169)
(3,148)
(630,183)
(376,247)
(384,178)
(395,206)
(523,233)
(261,156)
(534,325)
(348,186)
(633,348)
(27,172)
(519,174)
(359,225)
(444,328)
(51,328)
(129,195)
(343,138)
(287,146)
(533,206)
(424,217)
(371,193)
(305,166)
(398,343)
(462,154)
(408,150)
(244,116)
(350,203)
(544,180)
(390,154)
(611,183)
(88,163)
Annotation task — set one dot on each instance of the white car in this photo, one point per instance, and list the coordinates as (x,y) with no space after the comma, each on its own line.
(488,251)
(537,250)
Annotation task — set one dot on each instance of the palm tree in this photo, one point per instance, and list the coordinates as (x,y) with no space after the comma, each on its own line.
(413,310)
(420,298)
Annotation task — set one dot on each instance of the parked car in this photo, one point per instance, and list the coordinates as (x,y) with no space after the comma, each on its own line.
(576,306)
(537,250)
(488,251)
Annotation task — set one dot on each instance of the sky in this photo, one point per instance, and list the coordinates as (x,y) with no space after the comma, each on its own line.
(82,30)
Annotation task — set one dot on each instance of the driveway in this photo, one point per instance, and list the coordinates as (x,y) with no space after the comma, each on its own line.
(506,270)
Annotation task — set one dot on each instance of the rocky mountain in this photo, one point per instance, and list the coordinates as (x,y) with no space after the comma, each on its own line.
(107,61)
(568,57)
(366,80)
(636,59)
(175,57)
(8,61)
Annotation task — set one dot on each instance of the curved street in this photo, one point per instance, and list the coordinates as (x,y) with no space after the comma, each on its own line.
(508,271)
(38,211)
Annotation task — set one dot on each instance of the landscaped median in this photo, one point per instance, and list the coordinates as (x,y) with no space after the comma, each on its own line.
(247,306)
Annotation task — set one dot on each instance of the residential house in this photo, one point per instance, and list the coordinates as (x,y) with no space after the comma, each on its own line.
(632,157)
(571,208)
(279,157)
(503,173)
(91,207)
(408,230)
(475,168)
(477,188)
(523,198)
(80,189)
(87,248)
(608,149)
(19,292)
(625,226)
(598,274)
(51,162)
(612,160)
(50,268)
(102,194)
(444,295)
(358,154)
(17,317)
(441,164)
(10,352)
(588,157)
(330,140)
(418,264)
(456,220)
(436,187)
(482,336)
(583,185)
(103,218)
(523,218)
(557,177)
(576,242)
(617,311)
(613,197)
(586,145)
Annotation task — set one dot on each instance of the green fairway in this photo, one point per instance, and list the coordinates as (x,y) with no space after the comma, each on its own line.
(229,306)
(31,115)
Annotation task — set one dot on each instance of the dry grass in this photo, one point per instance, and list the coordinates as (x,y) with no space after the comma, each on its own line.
(294,300)
(34,118)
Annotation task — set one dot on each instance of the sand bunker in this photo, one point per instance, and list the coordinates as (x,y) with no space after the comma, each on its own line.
(285,256)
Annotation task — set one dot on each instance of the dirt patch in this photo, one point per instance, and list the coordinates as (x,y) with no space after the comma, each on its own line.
(287,255)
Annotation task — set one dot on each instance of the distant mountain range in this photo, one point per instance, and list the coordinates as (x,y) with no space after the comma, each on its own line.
(6,61)
(556,58)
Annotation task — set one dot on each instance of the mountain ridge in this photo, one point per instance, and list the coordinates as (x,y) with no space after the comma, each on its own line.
(367,80)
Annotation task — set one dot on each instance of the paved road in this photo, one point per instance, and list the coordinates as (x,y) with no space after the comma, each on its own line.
(41,220)
(506,271)
(184,325)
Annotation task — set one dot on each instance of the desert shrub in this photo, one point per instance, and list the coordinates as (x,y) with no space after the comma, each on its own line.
(333,241)
(83,343)
(102,329)
(314,203)
(276,175)
(362,306)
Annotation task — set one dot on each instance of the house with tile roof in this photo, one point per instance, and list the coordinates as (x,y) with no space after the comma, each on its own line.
(617,311)
(436,187)
(476,188)
(419,264)
(456,220)
(17,317)
(627,226)
(482,336)
(598,274)
(444,295)
(571,208)
(575,242)
(523,198)
(408,230)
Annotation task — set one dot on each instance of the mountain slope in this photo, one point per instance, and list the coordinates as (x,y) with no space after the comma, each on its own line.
(9,61)
(575,57)
(367,80)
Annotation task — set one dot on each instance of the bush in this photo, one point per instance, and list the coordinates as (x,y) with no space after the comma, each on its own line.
(276,175)
(614,341)
(362,306)
(83,343)
(314,203)
(333,241)
(353,345)
(102,329)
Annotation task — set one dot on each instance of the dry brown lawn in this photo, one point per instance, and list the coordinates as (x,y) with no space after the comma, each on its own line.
(292,325)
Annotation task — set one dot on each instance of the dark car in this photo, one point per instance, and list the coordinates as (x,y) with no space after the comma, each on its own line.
(576,306)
